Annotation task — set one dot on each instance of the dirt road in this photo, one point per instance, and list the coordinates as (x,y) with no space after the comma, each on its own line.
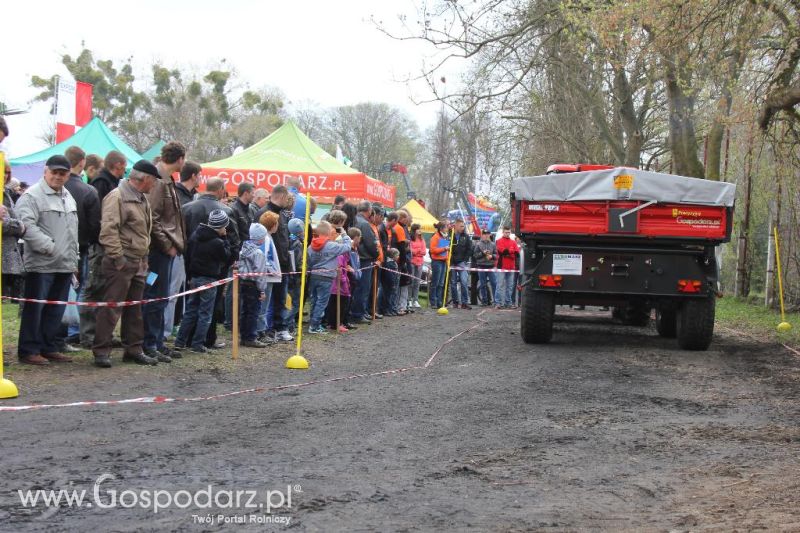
(607,428)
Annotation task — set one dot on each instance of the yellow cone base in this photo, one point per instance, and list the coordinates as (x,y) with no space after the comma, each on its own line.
(297,362)
(784,326)
(442,311)
(8,389)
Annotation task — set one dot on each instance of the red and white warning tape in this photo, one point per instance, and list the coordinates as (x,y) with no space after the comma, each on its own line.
(122,304)
(166,399)
(468,269)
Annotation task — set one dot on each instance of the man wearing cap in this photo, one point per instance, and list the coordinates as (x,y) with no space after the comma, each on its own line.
(125,235)
(50,215)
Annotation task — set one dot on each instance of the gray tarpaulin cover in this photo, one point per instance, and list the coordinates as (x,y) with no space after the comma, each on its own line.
(624,184)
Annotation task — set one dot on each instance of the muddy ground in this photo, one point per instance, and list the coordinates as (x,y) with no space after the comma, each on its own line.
(607,428)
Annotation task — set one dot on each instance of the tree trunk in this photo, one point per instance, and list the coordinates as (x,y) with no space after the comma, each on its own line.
(682,137)
(741,289)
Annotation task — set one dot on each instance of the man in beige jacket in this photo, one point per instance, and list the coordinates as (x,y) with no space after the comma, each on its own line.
(125,235)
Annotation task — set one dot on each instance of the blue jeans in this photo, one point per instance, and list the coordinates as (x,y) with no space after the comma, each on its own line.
(459,278)
(505,288)
(249,294)
(436,286)
(290,315)
(319,292)
(487,282)
(153,313)
(40,323)
(83,277)
(177,284)
(361,303)
(197,315)
(279,291)
(264,309)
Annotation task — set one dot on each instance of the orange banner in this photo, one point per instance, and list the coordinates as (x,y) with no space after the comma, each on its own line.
(323,187)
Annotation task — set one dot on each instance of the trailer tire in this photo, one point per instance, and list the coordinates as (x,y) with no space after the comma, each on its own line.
(667,323)
(695,323)
(538,309)
(636,315)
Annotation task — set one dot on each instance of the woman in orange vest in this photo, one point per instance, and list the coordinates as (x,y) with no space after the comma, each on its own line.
(440,246)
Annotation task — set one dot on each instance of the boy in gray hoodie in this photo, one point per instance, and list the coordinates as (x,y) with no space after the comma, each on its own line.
(328,244)
(252,290)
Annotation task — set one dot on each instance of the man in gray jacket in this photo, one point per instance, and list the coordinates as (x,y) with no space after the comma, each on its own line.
(50,215)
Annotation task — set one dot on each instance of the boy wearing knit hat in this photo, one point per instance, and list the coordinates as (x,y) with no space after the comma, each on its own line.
(207,255)
(252,290)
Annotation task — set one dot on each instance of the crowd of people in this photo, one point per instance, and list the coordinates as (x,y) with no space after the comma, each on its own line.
(149,237)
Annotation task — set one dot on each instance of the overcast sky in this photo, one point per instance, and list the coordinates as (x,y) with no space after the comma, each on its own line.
(326,52)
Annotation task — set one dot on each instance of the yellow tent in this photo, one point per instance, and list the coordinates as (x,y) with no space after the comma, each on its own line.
(421,216)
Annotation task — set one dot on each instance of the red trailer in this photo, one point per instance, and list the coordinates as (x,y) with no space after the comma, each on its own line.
(625,238)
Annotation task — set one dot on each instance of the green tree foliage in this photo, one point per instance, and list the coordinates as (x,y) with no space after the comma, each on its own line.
(211,113)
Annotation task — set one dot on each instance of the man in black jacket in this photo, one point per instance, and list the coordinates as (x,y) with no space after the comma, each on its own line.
(278,201)
(88,222)
(196,213)
(186,189)
(108,178)
(462,254)
(106,181)
(367,254)
(241,208)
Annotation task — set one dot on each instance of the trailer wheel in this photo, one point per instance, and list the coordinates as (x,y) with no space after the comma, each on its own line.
(636,315)
(695,323)
(538,309)
(667,323)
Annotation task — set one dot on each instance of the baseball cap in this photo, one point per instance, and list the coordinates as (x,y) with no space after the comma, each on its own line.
(57,162)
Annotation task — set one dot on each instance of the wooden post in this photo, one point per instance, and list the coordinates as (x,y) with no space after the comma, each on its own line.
(235,317)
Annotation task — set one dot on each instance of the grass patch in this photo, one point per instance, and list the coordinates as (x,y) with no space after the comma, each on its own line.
(757,320)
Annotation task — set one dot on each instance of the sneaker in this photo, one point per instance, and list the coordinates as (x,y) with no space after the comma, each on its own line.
(283,336)
(416,304)
(350,327)
(139,359)
(173,354)
(198,349)
(217,346)
(343,329)
(102,361)
(254,344)
(156,356)
(317,330)
(68,348)
(466,306)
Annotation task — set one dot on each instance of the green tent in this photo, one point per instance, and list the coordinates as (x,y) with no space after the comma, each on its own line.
(93,138)
(288,152)
(154,151)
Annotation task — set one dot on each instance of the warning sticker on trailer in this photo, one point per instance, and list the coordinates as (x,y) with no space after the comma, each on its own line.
(568,264)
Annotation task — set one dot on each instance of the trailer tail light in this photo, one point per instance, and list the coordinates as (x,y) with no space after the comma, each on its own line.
(549,280)
(691,286)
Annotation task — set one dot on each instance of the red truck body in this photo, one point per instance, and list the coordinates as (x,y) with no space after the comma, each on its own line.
(593,219)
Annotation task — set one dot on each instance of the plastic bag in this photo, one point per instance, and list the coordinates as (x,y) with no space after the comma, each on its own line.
(71,317)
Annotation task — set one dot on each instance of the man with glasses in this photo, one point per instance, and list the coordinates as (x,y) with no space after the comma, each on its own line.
(50,216)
